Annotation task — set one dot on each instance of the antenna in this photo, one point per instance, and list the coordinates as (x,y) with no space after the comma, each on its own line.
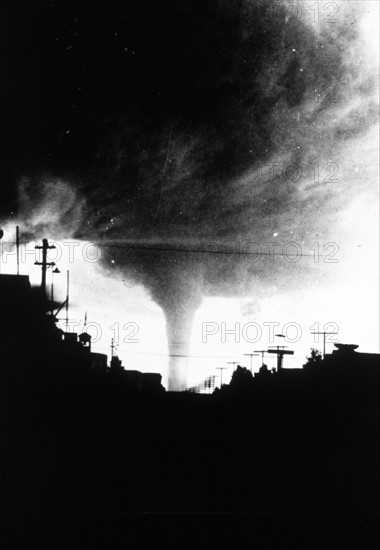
(324,339)
(251,355)
(56,270)
(113,347)
(85,321)
(263,352)
(221,374)
(233,363)
(209,383)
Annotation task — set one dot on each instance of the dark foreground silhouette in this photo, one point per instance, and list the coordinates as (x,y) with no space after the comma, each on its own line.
(80,438)
(307,442)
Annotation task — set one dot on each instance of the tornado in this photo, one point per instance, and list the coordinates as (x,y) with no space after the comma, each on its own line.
(175,284)
(228,129)
(179,296)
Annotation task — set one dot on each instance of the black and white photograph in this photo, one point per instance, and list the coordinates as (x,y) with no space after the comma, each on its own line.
(189,257)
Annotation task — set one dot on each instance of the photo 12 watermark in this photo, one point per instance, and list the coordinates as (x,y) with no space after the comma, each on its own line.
(321,12)
(119,333)
(68,251)
(269,331)
(291,172)
(253,252)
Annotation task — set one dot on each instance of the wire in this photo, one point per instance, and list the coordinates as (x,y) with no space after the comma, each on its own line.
(178,249)
(174,355)
(196,251)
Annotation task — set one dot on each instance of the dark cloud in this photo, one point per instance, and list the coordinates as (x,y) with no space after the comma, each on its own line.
(162,114)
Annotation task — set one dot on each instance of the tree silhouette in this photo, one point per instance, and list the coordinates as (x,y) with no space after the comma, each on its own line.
(314,359)
(241,378)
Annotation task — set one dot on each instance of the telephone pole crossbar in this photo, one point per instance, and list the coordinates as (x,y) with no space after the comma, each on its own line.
(280,355)
(44,264)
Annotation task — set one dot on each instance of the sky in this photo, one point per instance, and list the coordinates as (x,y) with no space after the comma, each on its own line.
(181,143)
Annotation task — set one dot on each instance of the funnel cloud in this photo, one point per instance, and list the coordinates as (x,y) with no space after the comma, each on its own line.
(170,132)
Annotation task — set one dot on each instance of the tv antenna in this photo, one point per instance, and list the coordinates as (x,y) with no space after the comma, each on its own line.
(221,374)
(324,339)
(263,352)
(233,363)
(251,355)
(113,347)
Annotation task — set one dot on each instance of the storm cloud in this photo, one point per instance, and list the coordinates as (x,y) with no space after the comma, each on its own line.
(187,129)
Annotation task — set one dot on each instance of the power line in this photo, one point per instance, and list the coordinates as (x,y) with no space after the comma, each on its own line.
(172,355)
(202,251)
(124,350)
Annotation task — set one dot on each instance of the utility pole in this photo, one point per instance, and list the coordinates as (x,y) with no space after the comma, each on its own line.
(280,355)
(1,246)
(44,264)
(67,298)
(324,340)
(221,374)
(263,352)
(18,249)
(52,299)
(56,270)
(251,355)
(113,347)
